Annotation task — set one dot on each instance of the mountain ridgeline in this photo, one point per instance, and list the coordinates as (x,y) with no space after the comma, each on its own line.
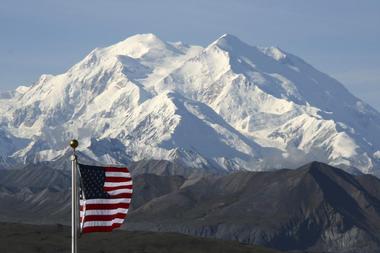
(227,106)
(316,208)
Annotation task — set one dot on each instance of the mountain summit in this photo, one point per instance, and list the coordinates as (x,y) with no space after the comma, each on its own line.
(227,106)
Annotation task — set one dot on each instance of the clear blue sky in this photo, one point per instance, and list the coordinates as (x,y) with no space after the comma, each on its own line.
(340,37)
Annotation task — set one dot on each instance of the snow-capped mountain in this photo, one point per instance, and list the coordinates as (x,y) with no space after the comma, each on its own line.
(228,106)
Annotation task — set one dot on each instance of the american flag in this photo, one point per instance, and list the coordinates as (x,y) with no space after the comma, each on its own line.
(106,193)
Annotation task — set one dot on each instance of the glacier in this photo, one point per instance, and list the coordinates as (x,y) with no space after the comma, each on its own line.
(227,106)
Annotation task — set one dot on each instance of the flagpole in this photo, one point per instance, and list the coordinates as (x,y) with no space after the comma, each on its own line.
(74,199)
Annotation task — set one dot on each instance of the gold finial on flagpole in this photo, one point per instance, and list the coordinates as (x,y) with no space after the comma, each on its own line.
(74,143)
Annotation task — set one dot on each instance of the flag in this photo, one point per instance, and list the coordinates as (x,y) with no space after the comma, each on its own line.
(105,195)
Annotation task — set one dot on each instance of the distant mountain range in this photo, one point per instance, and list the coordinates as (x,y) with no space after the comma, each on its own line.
(316,208)
(227,106)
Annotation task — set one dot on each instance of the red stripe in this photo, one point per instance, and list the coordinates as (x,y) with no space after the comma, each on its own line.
(117,179)
(114,169)
(105,206)
(122,196)
(107,188)
(105,217)
(100,229)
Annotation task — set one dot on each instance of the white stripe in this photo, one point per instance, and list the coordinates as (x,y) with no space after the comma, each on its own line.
(102,223)
(114,184)
(115,192)
(105,201)
(118,174)
(105,212)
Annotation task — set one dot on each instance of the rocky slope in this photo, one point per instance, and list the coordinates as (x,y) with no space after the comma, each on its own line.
(313,208)
(316,207)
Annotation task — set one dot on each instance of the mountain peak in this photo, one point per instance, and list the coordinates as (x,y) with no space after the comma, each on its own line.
(138,45)
(22,89)
(254,108)
(318,166)
(232,43)
(144,37)
(228,36)
(228,42)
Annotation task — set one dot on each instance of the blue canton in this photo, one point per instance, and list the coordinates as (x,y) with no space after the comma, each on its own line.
(92,182)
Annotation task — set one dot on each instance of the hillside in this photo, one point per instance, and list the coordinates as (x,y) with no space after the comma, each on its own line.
(21,238)
(313,208)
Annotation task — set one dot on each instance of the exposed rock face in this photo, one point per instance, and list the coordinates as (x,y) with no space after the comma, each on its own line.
(316,207)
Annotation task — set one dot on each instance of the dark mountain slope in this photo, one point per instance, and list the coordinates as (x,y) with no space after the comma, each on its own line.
(40,194)
(316,207)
